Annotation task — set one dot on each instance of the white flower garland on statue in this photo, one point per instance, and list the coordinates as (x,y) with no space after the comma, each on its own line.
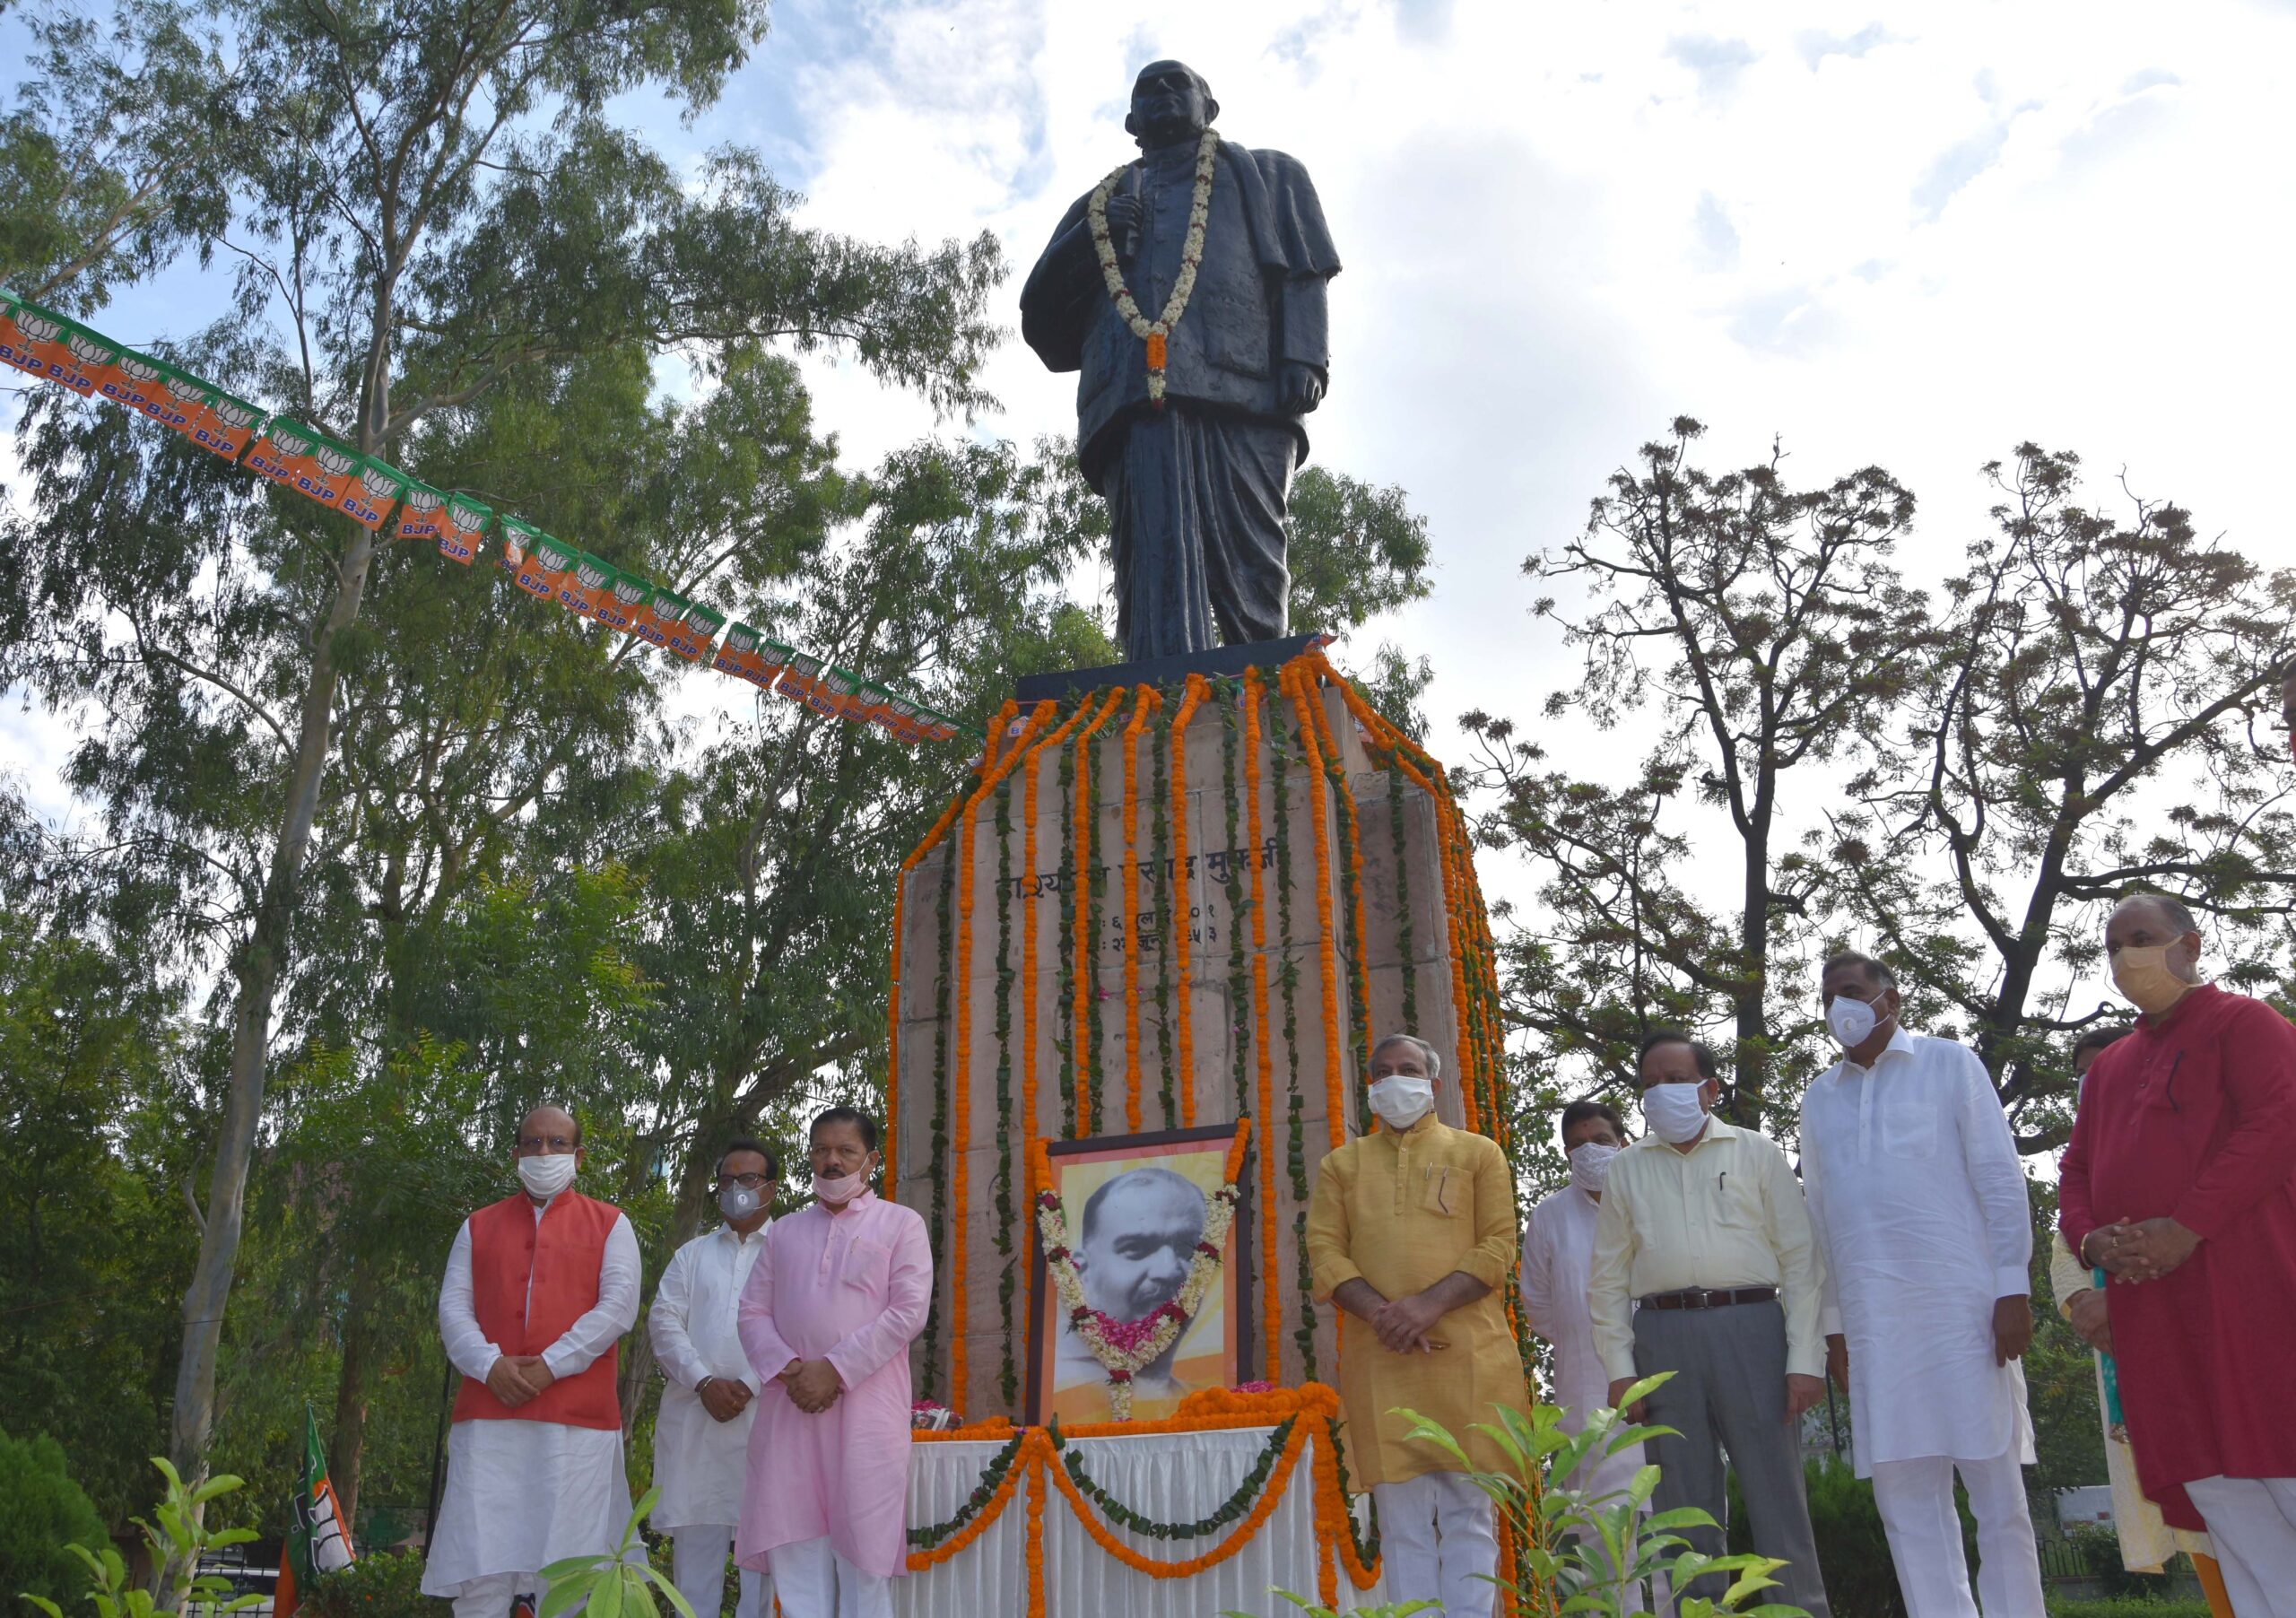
(1124,1348)
(1199,210)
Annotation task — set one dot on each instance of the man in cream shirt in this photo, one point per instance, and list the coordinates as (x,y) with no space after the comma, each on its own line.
(1705,1267)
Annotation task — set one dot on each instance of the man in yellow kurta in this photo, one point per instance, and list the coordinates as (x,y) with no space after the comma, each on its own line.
(1410,1232)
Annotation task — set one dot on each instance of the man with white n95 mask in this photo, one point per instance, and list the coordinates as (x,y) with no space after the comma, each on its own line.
(701,1438)
(1705,1267)
(1411,1230)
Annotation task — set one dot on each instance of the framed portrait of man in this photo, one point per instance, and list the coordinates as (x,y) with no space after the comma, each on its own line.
(1135,1207)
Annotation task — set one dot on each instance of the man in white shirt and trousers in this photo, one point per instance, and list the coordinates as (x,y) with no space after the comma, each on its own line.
(539,1289)
(1558,1254)
(702,1437)
(1920,1207)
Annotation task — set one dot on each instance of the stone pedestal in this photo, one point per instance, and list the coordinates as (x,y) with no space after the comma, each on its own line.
(1013,962)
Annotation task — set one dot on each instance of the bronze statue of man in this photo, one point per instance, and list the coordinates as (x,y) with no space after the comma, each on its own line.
(1194,457)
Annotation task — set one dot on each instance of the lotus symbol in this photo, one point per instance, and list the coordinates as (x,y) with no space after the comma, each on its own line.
(141,369)
(38,327)
(424,500)
(335,462)
(377,482)
(463,518)
(290,443)
(231,414)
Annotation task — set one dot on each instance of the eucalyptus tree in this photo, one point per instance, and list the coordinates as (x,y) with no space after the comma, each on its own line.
(425,203)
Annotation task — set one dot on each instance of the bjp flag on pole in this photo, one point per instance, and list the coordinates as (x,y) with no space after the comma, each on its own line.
(318,1541)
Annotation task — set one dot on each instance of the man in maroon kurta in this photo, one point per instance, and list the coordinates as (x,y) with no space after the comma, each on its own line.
(2181,1181)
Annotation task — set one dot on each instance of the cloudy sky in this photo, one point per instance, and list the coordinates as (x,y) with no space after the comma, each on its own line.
(1910,235)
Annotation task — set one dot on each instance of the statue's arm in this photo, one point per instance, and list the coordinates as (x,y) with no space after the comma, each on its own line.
(1059,297)
(1304,326)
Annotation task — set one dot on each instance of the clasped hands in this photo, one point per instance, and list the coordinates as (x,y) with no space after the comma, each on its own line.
(2138,1250)
(724,1397)
(513,1378)
(813,1385)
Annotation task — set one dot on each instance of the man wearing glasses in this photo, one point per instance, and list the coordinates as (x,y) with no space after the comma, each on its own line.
(702,1437)
(540,1288)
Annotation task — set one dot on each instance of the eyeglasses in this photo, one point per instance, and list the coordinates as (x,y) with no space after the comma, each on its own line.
(754,1182)
(546,1143)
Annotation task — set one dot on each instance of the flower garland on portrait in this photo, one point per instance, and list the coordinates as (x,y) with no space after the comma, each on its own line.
(1124,1348)
(1200,211)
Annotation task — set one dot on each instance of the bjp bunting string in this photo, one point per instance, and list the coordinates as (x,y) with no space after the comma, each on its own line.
(381,498)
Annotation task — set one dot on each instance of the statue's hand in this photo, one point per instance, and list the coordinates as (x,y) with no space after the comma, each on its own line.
(1303,387)
(1125,215)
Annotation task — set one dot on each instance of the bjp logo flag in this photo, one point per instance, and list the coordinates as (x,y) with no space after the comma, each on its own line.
(314,468)
(628,601)
(378,488)
(227,423)
(535,573)
(96,359)
(803,675)
(737,653)
(462,528)
(700,626)
(156,390)
(42,349)
(664,616)
(773,657)
(586,584)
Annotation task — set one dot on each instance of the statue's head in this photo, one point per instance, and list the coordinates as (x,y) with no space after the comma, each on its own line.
(1170,102)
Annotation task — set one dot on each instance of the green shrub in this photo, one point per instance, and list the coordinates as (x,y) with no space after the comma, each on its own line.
(2128,1606)
(382,1584)
(41,1511)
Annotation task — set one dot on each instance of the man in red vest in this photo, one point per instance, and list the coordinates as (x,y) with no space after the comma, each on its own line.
(540,1288)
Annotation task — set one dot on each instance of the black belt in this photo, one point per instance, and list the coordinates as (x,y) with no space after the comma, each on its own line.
(1698,1297)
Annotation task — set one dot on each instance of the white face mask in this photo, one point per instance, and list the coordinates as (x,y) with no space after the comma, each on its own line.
(1590,1166)
(1400,1099)
(1674,1111)
(546,1177)
(1852,1020)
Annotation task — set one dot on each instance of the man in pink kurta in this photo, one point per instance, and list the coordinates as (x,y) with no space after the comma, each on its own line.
(826,1320)
(2181,1180)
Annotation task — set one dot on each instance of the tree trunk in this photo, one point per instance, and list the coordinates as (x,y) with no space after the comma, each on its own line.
(261,962)
(347,1447)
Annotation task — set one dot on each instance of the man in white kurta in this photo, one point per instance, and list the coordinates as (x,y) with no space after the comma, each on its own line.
(1921,1208)
(533,1458)
(702,1436)
(1558,1254)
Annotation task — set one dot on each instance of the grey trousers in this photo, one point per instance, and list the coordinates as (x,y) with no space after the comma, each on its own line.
(1728,1393)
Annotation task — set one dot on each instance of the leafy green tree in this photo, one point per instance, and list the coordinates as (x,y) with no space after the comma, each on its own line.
(41,1511)
(2087,720)
(93,1219)
(1762,628)
(427,204)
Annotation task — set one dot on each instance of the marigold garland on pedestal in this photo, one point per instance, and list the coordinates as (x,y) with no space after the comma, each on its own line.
(1160,748)
(1148,702)
(1293,679)
(1191,699)
(1271,1281)
(961,1064)
(1084,1028)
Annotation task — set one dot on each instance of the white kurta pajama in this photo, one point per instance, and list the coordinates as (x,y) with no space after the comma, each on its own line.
(1921,1210)
(1558,1252)
(521,1495)
(700,1463)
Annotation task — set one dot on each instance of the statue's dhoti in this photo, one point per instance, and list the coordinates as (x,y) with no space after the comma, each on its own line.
(1198,503)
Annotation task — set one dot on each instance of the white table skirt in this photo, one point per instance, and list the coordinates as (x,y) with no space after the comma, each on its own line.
(1169,1477)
